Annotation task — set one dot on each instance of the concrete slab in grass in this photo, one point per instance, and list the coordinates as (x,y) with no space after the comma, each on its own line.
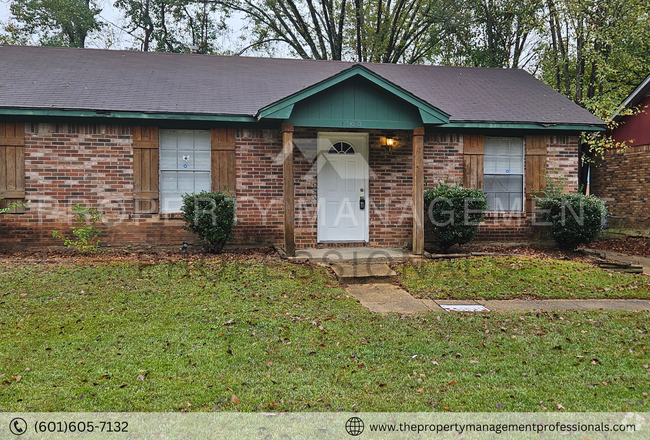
(386,298)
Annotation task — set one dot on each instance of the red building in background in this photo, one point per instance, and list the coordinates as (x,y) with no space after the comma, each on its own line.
(622,178)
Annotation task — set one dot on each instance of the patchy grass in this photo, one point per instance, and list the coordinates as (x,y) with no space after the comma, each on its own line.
(518,277)
(179,336)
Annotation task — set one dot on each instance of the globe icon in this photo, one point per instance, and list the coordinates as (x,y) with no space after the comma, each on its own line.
(354,426)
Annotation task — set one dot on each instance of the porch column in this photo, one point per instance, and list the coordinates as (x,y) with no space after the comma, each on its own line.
(418,190)
(287,191)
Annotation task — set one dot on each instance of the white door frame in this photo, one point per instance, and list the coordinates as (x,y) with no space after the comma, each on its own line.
(360,141)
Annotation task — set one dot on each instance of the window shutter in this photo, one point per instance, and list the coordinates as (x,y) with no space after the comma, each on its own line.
(12,164)
(145,170)
(223,160)
(535,168)
(473,155)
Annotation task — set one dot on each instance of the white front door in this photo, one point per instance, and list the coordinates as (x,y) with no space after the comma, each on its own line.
(342,184)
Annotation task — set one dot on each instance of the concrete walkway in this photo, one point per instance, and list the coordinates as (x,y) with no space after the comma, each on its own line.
(387,298)
(366,276)
(357,255)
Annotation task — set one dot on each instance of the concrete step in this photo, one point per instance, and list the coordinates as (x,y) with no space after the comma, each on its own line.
(364,273)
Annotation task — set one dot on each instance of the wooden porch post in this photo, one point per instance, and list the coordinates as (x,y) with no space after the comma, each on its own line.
(287,192)
(418,190)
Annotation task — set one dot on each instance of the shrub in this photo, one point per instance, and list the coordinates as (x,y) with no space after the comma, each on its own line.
(84,232)
(211,216)
(455,213)
(573,219)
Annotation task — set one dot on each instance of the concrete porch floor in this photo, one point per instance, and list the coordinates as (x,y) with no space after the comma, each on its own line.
(353,255)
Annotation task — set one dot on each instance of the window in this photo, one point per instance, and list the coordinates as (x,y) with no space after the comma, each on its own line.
(503,173)
(341,148)
(184,166)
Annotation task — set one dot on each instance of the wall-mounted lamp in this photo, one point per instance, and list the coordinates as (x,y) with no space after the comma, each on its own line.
(390,142)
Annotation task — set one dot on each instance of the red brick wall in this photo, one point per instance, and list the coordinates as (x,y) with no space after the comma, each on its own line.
(260,211)
(93,164)
(66,164)
(561,162)
(622,179)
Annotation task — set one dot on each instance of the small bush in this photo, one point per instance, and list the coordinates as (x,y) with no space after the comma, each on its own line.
(84,232)
(574,219)
(455,213)
(211,216)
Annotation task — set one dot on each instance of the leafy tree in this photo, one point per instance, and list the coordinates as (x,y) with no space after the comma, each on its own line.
(372,31)
(54,22)
(491,33)
(173,25)
(404,31)
(595,52)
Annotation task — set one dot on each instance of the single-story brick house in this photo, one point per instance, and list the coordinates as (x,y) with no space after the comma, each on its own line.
(300,143)
(622,177)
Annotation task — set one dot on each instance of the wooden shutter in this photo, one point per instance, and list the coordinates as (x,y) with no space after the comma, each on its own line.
(223,160)
(12,164)
(145,170)
(535,168)
(473,155)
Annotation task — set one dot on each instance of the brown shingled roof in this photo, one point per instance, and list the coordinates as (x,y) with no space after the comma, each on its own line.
(91,79)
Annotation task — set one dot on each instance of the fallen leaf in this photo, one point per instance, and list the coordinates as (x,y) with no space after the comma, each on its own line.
(420,390)
(594,361)
(435,363)
(140,377)
(558,406)
(473,362)
(500,405)
(80,361)
(452,382)
(229,322)
(235,400)
(17,378)
(478,375)
(28,369)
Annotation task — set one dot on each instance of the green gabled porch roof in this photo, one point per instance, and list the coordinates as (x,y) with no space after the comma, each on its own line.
(369,93)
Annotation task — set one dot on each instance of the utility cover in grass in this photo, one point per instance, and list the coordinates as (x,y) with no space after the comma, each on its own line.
(464,308)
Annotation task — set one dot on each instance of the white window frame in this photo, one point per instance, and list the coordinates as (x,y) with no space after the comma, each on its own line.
(180,170)
(522,173)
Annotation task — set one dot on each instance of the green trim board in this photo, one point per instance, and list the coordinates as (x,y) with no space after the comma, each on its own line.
(521,126)
(433,114)
(125,115)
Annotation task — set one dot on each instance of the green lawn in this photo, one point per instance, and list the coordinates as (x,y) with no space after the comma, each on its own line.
(518,277)
(178,336)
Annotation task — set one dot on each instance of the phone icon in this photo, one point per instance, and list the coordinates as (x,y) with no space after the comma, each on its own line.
(18,426)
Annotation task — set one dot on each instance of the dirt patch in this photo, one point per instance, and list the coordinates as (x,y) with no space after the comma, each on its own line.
(123,256)
(525,250)
(630,245)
